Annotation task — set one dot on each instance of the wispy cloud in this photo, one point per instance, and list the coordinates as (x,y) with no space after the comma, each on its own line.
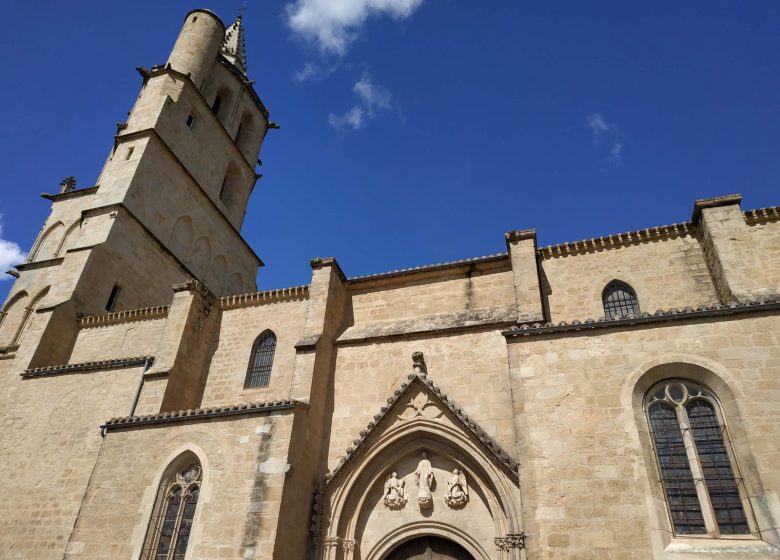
(312,72)
(353,118)
(605,130)
(334,24)
(10,253)
(372,99)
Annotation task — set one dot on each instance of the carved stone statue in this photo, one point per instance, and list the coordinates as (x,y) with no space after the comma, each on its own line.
(424,477)
(395,496)
(457,490)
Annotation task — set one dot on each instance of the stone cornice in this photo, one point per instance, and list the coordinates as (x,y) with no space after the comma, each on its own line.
(427,268)
(320,262)
(32,265)
(72,194)
(262,298)
(86,366)
(625,239)
(762,215)
(466,422)
(714,202)
(198,414)
(142,314)
(660,316)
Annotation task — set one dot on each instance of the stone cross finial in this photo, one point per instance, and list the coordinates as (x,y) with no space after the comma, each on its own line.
(67,184)
(418,363)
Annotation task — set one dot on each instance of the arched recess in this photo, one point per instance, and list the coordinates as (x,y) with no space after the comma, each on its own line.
(28,314)
(719,381)
(12,318)
(235,284)
(248,137)
(200,255)
(180,240)
(67,239)
(219,270)
(417,421)
(47,245)
(231,193)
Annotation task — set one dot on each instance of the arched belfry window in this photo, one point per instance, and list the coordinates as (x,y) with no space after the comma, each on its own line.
(703,489)
(258,374)
(174,510)
(619,300)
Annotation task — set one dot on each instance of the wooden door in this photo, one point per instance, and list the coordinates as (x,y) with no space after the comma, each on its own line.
(429,548)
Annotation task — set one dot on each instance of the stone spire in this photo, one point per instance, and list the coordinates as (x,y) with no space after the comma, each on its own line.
(233,46)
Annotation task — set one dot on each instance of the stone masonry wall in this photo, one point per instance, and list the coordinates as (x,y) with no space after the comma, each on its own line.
(664,273)
(244,461)
(127,339)
(765,241)
(588,481)
(49,442)
(238,330)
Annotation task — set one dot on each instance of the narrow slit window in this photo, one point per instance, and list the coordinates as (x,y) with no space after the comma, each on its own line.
(222,188)
(129,154)
(216,105)
(112,297)
(190,121)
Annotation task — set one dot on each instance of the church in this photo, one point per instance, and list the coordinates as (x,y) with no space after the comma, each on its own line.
(613,398)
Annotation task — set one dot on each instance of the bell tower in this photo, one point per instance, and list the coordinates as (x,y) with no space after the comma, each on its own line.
(168,204)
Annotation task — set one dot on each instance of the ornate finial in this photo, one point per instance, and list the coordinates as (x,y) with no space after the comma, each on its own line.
(418,363)
(67,184)
(232,47)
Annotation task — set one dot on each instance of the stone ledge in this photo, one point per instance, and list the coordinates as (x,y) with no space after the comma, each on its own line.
(71,194)
(771,303)
(495,316)
(141,314)
(262,298)
(426,268)
(86,366)
(200,414)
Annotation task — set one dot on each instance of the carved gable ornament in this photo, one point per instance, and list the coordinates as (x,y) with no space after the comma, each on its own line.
(420,397)
(386,481)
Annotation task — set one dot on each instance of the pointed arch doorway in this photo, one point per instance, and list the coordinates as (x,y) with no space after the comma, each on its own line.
(429,548)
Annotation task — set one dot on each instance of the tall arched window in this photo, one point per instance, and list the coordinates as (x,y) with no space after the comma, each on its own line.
(690,442)
(174,510)
(258,374)
(619,300)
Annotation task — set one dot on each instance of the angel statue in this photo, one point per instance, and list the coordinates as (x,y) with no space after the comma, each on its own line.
(395,496)
(424,477)
(457,490)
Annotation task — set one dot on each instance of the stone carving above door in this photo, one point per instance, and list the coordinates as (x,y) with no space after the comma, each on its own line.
(457,494)
(395,493)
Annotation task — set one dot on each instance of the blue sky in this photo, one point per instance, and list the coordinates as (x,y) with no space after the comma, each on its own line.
(419,131)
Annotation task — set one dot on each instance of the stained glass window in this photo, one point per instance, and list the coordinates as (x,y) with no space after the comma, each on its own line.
(172,517)
(258,374)
(702,490)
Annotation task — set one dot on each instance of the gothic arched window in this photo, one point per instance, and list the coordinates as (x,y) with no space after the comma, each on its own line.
(619,300)
(258,374)
(174,510)
(691,446)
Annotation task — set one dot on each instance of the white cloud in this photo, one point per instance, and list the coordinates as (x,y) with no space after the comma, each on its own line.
(333,24)
(602,128)
(10,253)
(354,118)
(372,98)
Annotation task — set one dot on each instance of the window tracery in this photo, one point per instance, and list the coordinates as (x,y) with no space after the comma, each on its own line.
(173,514)
(690,441)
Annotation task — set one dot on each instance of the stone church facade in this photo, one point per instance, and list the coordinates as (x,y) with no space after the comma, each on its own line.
(613,398)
